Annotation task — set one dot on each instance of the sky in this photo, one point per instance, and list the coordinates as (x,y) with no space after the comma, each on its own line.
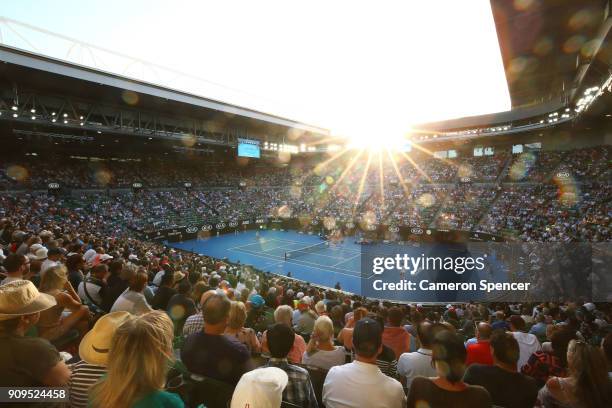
(356,68)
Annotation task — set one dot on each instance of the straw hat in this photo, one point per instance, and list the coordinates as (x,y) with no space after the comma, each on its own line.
(41,253)
(96,343)
(19,298)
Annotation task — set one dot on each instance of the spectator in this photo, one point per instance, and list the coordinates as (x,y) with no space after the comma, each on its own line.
(282,314)
(588,384)
(54,256)
(542,364)
(209,352)
(92,288)
(93,351)
(235,328)
(260,316)
(120,275)
(346,334)
(419,362)
(361,383)
(262,387)
(305,322)
(500,321)
(195,322)
(181,306)
(133,300)
(528,343)
(506,386)
(447,389)
(164,292)
(75,265)
(27,361)
(539,328)
(299,389)
(321,351)
(52,324)
(480,352)
(17,268)
(137,365)
(394,335)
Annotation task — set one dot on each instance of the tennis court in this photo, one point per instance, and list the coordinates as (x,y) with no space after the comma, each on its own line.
(308,257)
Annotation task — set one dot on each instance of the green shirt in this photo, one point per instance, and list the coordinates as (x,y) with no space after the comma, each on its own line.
(160,399)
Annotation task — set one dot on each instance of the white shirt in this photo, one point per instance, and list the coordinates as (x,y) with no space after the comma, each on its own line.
(158,277)
(360,384)
(9,279)
(325,359)
(411,365)
(528,344)
(92,289)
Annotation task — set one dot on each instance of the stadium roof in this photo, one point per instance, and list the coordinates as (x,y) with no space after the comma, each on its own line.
(43,73)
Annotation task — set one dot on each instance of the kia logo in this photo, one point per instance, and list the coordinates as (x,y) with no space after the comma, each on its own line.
(206,227)
(137,185)
(314,222)
(220,225)
(53,186)
(393,229)
(259,221)
(466,179)
(563,174)
(350,225)
(417,231)
(372,227)
(191,229)
(233,224)
(246,222)
(187,185)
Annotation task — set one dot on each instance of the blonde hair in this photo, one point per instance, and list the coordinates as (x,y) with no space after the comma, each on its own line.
(324,327)
(284,314)
(320,307)
(237,315)
(54,278)
(137,361)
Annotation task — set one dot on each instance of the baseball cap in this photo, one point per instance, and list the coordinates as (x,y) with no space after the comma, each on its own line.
(54,251)
(367,335)
(257,301)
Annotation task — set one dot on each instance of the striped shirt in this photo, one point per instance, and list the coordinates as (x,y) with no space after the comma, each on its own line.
(84,375)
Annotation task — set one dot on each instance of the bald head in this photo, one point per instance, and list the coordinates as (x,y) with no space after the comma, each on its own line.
(205,296)
(484,331)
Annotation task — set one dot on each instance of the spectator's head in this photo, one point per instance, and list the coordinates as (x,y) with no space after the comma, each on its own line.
(95,346)
(167,279)
(587,366)
(484,331)
(284,315)
(448,356)
(54,254)
(237,315)
(20,306)
(280,340)
(75,262)
(367,339)
(559,342)
(320,307)
(138,281)
(324,329)
(184,287)
(100,271)
(395,316)
(54,279)
(359,314)
(426,331)
(137,361)
(198,290)
(505,349)
(517,323)
(216,313)
(16,265)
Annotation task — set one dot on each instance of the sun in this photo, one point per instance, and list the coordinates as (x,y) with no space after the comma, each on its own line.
(378,139)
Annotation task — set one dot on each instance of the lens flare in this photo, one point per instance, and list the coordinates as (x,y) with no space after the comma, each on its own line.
(17,173)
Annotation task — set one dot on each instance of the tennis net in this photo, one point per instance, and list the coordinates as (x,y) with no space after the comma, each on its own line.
(296,253)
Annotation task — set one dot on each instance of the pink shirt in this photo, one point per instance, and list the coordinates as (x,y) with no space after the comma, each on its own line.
(296,352)
(397,339)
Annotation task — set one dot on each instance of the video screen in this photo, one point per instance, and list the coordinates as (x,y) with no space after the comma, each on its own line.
(248,150)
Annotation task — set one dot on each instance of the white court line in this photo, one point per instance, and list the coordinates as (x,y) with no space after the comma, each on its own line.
(329,247)
(296,262)
(346,260)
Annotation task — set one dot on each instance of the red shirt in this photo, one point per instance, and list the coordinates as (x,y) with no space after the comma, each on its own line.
(479,353)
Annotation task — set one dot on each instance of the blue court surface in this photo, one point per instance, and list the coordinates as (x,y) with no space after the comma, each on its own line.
(322,264)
